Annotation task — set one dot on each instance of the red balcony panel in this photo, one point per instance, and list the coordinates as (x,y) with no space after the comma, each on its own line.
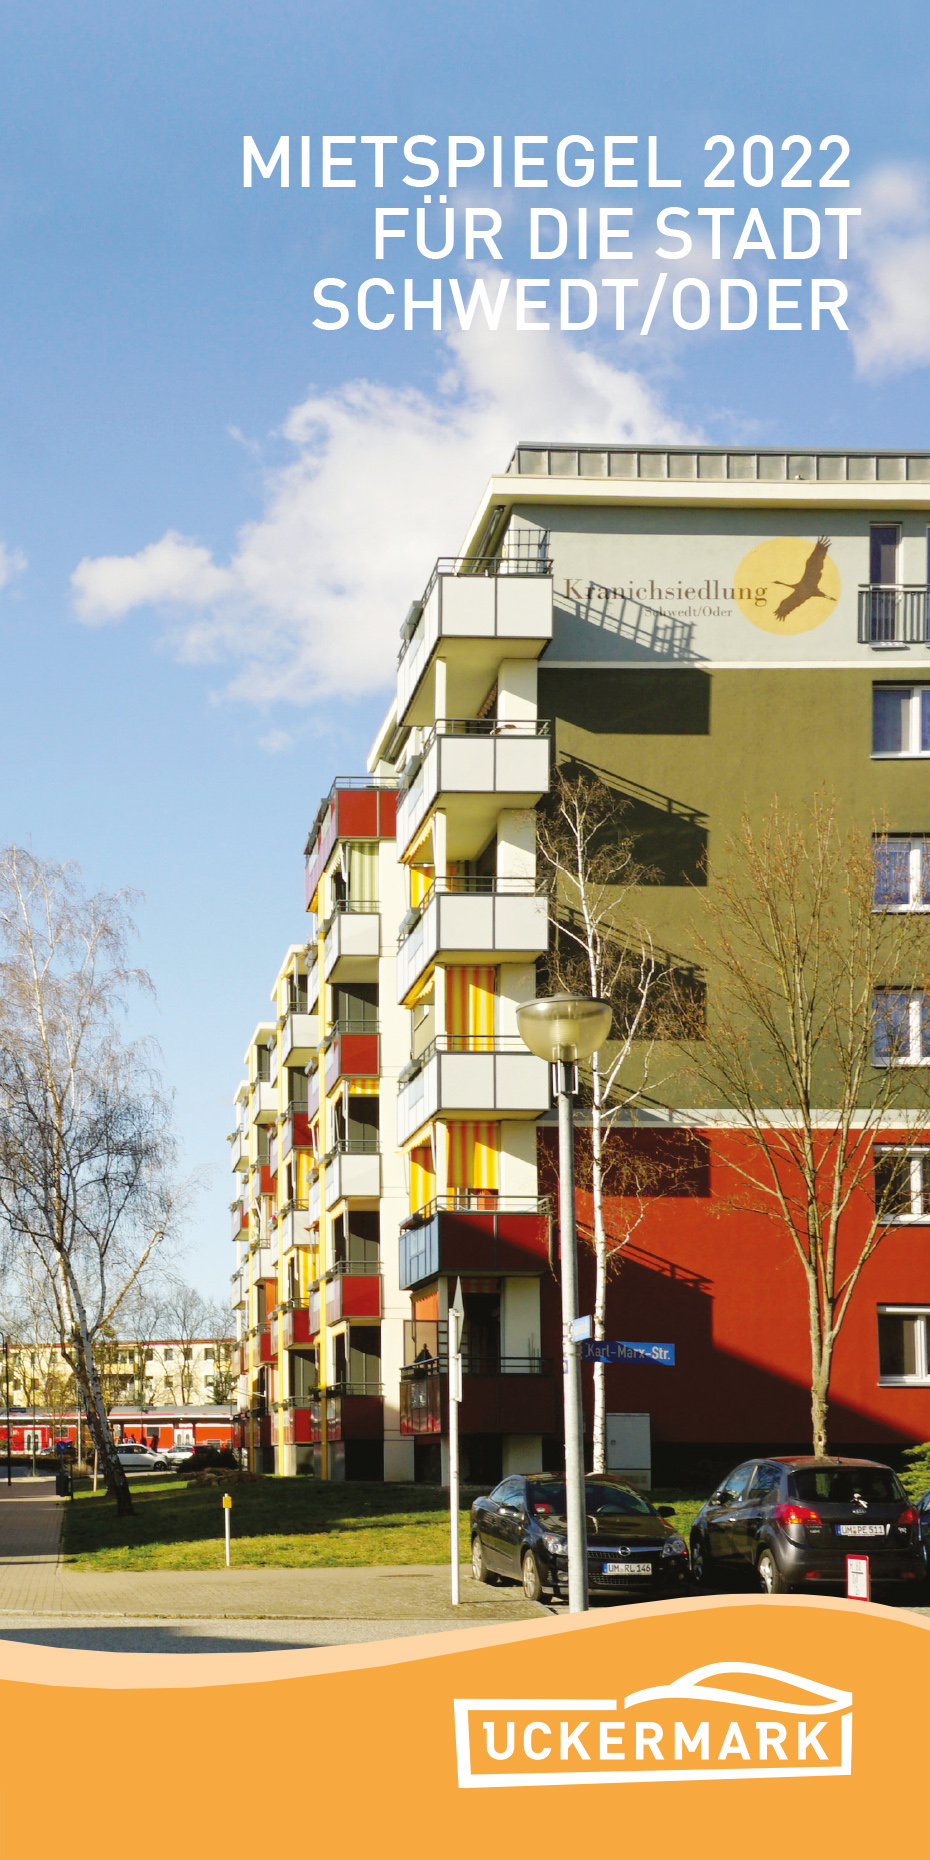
(353,813)
(351,1056)
(240,1220)
(472,1241)
(297,1428)
(263,1180)
(354,1417)
(296,1327)
(295,1133)
(353,1295)
(268,1352)
(503,1404)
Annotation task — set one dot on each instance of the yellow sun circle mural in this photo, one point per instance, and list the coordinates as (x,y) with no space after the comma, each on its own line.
(788,585)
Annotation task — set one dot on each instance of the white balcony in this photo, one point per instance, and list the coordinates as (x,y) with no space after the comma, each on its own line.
(300,1037)
(351,1174)
(352,944)
(239,1151)
(472,1076)
(479,618)
(261,1263)
(294,1228)
(263,1102)
(473,920)
(489,764)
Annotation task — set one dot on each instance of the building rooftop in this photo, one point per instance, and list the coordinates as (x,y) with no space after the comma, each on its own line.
(540,459)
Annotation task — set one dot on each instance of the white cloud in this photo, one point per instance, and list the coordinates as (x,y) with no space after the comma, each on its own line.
(12,562)
(380,481)
(276,742)
(174,571)
(892,334)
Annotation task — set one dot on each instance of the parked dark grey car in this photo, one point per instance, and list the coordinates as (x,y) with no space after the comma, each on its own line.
(794,1522)
(520,1532)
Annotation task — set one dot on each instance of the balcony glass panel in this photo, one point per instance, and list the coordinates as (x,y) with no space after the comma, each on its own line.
(475,755)
(471,1075)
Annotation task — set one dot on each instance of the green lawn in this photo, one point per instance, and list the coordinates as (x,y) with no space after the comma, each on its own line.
(283,1523)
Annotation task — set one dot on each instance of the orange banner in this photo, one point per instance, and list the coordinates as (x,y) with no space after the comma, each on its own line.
(396,1744)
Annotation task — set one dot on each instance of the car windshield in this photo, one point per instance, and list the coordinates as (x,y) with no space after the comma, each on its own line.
(841,1485)
(599,1500)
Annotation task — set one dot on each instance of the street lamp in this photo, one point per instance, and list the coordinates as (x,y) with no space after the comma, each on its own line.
(563,1029)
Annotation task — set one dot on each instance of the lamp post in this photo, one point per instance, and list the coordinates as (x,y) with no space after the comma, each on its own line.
(563,1029)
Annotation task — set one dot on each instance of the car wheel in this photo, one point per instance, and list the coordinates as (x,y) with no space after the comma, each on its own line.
(701,1564)
(532,1583)
(479,1568)
(771,1580)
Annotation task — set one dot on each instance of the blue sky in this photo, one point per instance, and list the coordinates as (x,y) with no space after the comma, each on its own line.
(173,716)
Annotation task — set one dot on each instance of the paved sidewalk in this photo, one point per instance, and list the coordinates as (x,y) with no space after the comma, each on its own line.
(33,1583)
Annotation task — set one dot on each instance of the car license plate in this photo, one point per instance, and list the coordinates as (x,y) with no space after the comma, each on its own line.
(861,1530)
(627,1569)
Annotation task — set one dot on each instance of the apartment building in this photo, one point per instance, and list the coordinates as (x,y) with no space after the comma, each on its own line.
(703,630)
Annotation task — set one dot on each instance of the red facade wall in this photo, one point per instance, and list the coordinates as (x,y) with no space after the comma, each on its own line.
(724,1285)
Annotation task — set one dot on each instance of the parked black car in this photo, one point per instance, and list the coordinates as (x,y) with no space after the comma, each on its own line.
(519,1532)
(795,1521)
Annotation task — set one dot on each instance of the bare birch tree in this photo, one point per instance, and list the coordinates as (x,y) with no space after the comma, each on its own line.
(588,856)
(815,1045)
(85,1145)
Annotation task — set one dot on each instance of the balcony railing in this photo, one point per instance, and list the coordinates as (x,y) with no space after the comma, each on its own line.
(240,1221)
(505,759)
(263,1099)
(475,1232)
(295,1325)
(294,1132)
(356,808)
(294,1225)
(353,1291)
(507,1394)
(894,616)
(239,1151)
(352,941)
(352,1170)
(300,1037)
(471,1075)
(352,1050)
(472,920)
(477,598)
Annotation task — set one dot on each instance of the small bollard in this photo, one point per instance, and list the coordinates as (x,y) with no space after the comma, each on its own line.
(227,1514)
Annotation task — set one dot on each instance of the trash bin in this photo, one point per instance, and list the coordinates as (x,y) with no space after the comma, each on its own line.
(63,1483)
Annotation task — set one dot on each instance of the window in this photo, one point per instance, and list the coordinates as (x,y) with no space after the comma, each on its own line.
(883,575)
(900,1027)
(902,1184)
(883,555)
(738,1480)
(169,1356)
(901,870)
(903,1354)
(901,720)
(767,1480)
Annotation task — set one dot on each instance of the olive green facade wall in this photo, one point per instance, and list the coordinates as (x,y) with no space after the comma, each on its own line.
(693,748)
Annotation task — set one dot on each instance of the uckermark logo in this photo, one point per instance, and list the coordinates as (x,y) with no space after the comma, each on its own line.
(718,1723)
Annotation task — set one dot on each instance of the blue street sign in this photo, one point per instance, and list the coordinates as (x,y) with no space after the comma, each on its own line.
(594,1352)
